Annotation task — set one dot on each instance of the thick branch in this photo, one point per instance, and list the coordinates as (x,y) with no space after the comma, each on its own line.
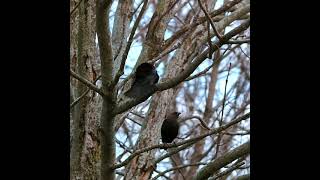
(104,42)
(222,161)
(86,82)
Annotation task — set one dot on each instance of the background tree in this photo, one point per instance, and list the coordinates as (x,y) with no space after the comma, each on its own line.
(201,52)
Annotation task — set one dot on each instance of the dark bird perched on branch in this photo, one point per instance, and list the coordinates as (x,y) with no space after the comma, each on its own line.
(145,78)
(170,128)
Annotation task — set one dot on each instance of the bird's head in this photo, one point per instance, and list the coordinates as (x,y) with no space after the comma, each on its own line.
(145,69)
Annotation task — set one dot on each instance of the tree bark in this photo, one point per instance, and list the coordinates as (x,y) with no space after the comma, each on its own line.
(84,146)
(107,134)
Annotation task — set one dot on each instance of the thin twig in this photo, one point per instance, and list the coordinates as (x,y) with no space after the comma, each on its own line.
(203,124)
(225,90)
(165,53)
(222,111)
(137,114)
(82,95)
(244,52)
(123,146)
(86,82)
(227,158)
(210,20)
(228,171)
(163,175)
(176,168)
(224,55)
(201,20)
(134,11)
(126,51)
(133,121)
(174,151)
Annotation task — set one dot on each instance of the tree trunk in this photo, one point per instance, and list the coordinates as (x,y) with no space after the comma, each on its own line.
(84,148)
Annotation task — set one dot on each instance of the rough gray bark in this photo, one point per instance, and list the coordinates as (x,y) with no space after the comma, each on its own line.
(79,115)
(121,31)
(84,146)
(107,117)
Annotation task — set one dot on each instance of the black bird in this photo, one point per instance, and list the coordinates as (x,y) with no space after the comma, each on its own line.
(170,128)
(145,78)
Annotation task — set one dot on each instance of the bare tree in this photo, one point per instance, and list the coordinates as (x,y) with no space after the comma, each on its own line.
(201,50)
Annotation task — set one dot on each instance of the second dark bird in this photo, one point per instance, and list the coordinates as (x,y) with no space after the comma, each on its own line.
(170,128)
(145,78)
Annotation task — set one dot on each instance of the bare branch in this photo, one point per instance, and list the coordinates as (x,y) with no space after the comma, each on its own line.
(82,95)
(203,124)
(134,121)
(174,151)
(193,65)
(225,90)
(221,161)
(163,175)
(244,52)
(126,51)
(176,168)
(228,171)
(137,114)
(86,82)
(209,67)
(201,20)
(210,20)
(164,53)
